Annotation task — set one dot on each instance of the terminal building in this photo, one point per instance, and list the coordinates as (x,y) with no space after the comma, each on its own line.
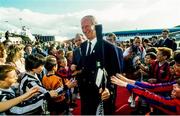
(146,33)
(44,38)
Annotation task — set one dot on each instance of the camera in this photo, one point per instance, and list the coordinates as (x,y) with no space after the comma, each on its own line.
(134,49)
(136,62)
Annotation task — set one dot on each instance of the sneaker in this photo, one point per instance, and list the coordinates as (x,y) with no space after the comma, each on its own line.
(130,99)
(78,96)
(133,104)
(71,109)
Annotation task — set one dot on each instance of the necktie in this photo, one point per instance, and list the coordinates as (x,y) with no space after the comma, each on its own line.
(89,49)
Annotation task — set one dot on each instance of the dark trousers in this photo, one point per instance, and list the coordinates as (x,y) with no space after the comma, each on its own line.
(90,97)
(88,107)
(90,102)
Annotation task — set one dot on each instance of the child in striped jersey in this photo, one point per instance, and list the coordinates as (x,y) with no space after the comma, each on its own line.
(34,65)
(10,102)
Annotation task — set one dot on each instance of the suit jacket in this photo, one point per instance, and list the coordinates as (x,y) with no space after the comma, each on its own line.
(88,90)
(120,59)
(76,56)
(167,43)
(174,46)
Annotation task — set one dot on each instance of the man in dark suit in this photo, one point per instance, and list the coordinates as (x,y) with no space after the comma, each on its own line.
(174,44)
(166,41)
(78,40)
(111,37)
(77,51)
(90,93)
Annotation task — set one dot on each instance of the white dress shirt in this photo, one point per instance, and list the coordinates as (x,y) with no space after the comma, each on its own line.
(93,43)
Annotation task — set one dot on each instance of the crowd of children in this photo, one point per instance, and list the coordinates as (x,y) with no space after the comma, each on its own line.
(40,78)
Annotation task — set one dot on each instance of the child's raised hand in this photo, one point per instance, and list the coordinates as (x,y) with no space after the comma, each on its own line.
(121,77)
(30,93)
(117,81)
(53,93)
(71,83)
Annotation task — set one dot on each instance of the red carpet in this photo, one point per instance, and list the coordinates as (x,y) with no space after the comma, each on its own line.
(77,110)
(122,106)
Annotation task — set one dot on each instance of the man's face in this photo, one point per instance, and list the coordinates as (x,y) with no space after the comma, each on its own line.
(176,91)
(111,39)
(78,40)
(88,28)
(165,35)
(137,42)
(28,50)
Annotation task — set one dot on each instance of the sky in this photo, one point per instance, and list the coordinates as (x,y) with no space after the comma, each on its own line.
(62,17)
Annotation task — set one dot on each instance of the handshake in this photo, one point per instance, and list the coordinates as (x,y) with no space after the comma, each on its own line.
(69,84)
(74,70)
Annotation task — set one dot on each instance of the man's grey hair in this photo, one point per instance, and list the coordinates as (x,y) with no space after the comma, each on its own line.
(91,17)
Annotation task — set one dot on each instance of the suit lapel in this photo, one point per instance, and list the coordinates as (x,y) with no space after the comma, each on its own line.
(96,48)
(97,53)
(83,48)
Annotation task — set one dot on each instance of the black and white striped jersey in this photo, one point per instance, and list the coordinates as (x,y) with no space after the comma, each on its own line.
(28,81)
(29,106)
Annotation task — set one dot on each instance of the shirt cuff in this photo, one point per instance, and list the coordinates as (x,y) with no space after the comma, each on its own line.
(129,86)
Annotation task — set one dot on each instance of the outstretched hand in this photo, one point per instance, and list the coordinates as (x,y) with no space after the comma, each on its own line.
(118,81)
(30,93)
(53,93)
(121,77)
